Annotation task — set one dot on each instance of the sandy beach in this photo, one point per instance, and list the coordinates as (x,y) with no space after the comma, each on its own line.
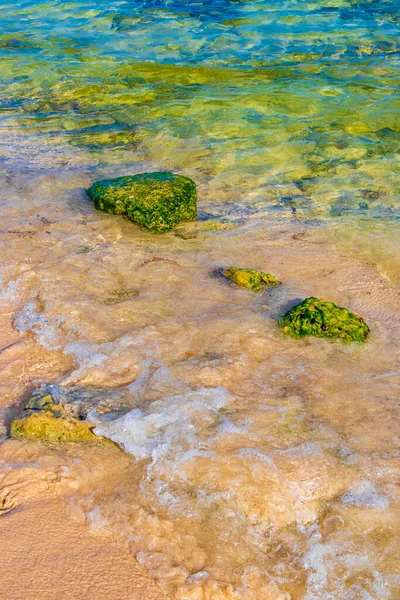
(48,553)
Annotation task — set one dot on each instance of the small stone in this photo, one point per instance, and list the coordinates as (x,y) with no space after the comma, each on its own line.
(324,319)
(46,426)
(250,278)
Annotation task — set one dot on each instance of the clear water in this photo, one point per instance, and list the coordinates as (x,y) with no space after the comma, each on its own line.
(246,95)
(256,467)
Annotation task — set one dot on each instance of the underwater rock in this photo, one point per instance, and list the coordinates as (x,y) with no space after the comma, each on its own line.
(324,319)
(77,401)
(57,414)
(250,278)
(157,202)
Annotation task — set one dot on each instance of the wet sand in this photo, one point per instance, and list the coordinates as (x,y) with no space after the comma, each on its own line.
(48,553)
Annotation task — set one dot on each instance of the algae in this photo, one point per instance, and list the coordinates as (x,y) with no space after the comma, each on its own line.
(157,202)
(120,295)
(216,226)
(105,139)
(250,278)
(324,319)
(268,128)
(45,426)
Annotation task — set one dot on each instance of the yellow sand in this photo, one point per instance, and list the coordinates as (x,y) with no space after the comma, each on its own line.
(47,550)
(48,554)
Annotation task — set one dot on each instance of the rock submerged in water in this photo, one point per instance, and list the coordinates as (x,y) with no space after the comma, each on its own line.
(324,319)
(250,278)
(157,202)
(57,414)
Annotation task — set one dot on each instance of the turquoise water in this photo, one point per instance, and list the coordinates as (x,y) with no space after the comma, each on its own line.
(289,104)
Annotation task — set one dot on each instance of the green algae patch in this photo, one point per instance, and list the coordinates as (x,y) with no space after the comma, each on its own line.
(104,139)
(250,278)
(324,319)
(188,231)
(216,226)
(121,295)
(157,202)
(45,426)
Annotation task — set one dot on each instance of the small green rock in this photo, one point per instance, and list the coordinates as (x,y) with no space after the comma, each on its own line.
(324,319)
(45,426)
(157,202)
(250,278)
(46,419)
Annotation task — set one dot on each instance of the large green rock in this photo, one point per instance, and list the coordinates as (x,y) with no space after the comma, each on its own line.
(324,319)
(155,201)
(250,278)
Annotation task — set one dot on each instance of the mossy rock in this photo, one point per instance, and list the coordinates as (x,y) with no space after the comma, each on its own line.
(48,419)
(250,278)
(45,426)
(157,202)
(324,319)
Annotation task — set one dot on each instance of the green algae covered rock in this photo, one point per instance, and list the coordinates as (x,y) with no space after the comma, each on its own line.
(45,426)
(250,278)
(45,419)
(157,202)
(324,319)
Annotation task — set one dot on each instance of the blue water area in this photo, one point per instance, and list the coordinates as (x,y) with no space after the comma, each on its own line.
(291,103)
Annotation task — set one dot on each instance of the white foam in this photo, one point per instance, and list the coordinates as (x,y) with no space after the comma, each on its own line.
(9,291)
(87,355)
(365,494)
(330,564)
(30,319)
(151,432)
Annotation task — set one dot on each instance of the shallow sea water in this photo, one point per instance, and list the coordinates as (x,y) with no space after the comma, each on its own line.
(255,466)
